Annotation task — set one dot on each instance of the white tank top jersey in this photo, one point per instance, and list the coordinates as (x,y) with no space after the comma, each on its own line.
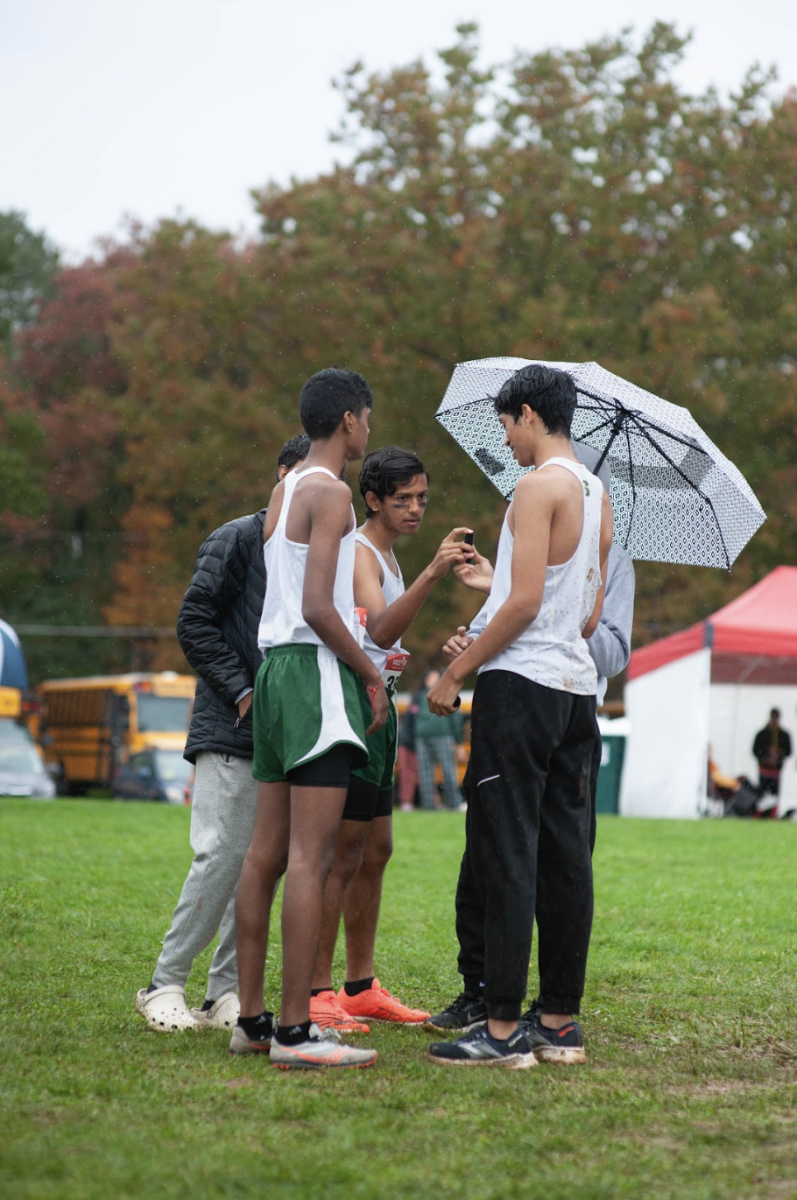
(282,623)
(551,651)
(392,588)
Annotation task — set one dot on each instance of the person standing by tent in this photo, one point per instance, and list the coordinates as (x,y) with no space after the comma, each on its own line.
(772,746)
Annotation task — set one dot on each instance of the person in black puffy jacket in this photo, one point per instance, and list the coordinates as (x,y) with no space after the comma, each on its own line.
(217,629)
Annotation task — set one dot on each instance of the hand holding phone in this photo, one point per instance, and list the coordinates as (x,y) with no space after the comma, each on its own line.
(452,552)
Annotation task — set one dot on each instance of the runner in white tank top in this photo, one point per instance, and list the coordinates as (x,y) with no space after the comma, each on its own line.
(392,588)
(552,651)
(533,734)
(394,486)
(317,698)
(282,622)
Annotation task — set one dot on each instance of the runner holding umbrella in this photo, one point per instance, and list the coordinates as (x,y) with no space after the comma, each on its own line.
(677,499)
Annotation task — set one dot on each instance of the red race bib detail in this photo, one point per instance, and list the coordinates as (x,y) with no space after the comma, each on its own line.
(396,663)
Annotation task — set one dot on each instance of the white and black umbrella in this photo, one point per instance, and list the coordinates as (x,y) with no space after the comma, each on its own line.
(676,497)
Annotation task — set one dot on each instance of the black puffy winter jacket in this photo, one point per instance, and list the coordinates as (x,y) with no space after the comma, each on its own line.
(217,630)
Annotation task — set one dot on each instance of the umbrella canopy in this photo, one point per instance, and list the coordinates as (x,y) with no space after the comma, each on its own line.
(676,497)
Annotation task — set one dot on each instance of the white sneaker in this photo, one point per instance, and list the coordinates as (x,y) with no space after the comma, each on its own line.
(223,1013)
(165,1009)
(319,1050)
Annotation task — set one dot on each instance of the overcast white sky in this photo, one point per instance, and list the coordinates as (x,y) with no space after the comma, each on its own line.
(162,106)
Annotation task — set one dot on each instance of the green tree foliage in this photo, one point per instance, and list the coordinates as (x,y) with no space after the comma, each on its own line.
(574,205)
(27,266)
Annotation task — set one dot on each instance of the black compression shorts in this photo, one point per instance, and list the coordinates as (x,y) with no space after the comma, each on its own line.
(365,801)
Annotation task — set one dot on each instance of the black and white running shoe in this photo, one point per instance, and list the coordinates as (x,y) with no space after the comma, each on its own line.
(462,1015)
(564,1045)
(480,1049)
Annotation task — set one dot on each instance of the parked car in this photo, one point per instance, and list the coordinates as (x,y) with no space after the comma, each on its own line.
(153,775)
(22,771)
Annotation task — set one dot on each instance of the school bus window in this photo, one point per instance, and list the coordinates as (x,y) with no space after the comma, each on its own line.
(167,714)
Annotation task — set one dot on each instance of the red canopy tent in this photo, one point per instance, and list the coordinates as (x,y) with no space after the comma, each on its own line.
(752,640)
(711,685)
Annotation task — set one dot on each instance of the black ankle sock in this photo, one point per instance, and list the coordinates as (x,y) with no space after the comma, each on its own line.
(474,986)
(355,986)
(151,988)
(291,1035)
(254,1025)
(318,991)
(206,1007)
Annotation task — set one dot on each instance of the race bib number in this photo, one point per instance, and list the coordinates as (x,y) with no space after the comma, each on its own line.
(395,664)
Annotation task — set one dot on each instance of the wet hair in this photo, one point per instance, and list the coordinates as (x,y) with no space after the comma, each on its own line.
(294,451)
(327,396)
(546,390)
(385,470)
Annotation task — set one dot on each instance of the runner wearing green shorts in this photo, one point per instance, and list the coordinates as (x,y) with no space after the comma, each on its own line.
(383,751)
(306,702)
(395,486)
(311,723)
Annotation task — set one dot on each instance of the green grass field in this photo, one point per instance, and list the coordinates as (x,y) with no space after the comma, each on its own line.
(690,1089)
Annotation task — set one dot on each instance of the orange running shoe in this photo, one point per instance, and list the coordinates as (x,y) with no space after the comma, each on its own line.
(377,1004)
(328,1014)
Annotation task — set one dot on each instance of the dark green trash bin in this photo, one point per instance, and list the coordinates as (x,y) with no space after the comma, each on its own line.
(613,734)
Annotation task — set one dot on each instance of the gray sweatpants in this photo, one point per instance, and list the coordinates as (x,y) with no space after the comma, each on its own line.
(222,819)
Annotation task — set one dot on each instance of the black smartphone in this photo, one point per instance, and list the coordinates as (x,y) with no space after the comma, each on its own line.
(468,539)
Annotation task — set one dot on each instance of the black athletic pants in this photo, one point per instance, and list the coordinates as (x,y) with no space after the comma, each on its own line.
(530,829)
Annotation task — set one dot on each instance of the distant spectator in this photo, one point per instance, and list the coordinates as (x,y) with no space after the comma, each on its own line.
(772,746)
(435,742)
(407,758)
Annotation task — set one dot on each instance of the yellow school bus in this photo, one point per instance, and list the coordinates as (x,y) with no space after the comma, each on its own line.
(90,727)
(10,703)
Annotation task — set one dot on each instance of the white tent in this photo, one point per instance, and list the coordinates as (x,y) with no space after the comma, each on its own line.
(712,685)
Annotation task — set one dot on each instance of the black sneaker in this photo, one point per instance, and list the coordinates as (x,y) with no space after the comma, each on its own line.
(480,1049)
(534,1010)
(564,1045)
(257,1040)
(464,1014)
